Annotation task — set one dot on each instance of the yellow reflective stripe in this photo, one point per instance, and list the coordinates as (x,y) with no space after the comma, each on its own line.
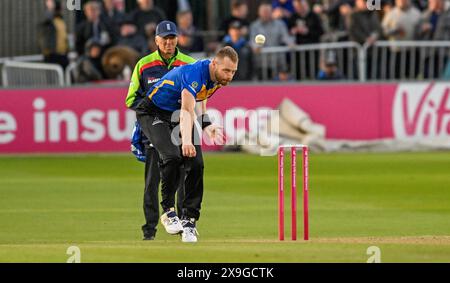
(153,93)
(172,83)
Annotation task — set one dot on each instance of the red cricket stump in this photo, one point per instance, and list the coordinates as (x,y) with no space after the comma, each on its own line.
(293,193)
(294,149)
(305,195)
(281,194)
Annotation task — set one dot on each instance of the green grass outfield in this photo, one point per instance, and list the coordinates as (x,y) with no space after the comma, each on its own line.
(398,202)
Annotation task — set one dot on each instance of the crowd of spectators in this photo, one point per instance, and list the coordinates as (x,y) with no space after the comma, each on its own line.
(284,22)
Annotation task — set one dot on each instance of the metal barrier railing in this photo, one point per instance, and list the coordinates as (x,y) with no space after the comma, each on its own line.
(20,74)
(25,58)
(406,60)
(384,60)
(303,62)
(69,73)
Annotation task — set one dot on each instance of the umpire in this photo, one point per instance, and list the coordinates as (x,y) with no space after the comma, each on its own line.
(146,73)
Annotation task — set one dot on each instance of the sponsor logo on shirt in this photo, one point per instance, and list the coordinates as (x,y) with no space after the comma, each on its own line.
(152,80)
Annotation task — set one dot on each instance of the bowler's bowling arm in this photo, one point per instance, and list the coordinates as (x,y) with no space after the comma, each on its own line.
(187,116)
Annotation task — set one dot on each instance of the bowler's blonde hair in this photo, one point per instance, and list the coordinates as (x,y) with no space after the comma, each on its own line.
(229,52)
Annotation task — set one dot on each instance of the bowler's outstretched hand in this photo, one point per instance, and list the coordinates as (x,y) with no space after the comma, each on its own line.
(215,134)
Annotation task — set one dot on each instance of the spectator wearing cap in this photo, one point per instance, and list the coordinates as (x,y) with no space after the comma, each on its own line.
(188,39)
(239,12)
(276,34)
(149,70)
(146,16)
(89,65)
(284,76)
(130,37)
(236,39)
(52,35)
(93,28)
(329,70)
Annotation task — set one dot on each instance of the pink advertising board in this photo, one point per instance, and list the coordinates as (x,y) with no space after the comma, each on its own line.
(96,120)
(64,120)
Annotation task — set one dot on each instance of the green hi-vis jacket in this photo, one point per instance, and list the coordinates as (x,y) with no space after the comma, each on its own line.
(149,70)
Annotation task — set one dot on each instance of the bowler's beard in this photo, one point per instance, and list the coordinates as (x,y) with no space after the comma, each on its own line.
(220,80)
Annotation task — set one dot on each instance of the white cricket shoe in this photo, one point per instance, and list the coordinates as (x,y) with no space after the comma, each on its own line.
(171,222)
(189,231)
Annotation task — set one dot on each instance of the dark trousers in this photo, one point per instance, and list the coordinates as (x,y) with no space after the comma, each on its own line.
(151,198)
(158,127)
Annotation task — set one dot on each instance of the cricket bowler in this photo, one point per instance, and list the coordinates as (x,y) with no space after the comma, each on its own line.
(149,70)
(178,91)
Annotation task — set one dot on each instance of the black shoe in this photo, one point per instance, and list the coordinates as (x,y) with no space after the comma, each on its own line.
(149,238)
(149,234)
